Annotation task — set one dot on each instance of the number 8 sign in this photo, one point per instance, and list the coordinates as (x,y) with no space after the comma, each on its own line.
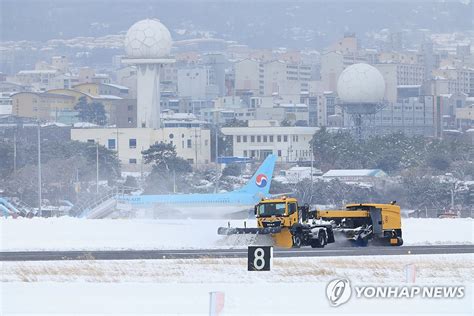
(259,258)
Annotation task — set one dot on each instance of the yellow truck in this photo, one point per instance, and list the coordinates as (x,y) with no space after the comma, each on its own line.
(292,225)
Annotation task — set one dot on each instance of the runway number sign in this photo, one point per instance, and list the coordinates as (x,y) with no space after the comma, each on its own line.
(259,258)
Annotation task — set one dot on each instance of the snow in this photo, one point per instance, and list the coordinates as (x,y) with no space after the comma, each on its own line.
(295,285)
(67,233)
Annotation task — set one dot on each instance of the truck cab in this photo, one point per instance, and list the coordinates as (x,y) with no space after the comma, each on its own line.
(282,212)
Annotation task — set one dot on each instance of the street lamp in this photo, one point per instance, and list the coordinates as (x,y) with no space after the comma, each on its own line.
(97,167)
(40,198)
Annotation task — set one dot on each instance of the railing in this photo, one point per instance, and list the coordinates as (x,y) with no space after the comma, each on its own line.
(87,204)
(24,208)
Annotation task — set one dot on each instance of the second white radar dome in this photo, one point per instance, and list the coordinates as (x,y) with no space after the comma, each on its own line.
(361,83)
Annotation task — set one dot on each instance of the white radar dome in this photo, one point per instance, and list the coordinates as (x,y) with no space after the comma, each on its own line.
(361,83)
(148,39)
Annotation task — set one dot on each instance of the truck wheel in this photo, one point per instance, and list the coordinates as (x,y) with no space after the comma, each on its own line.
(320,241)
(297,241)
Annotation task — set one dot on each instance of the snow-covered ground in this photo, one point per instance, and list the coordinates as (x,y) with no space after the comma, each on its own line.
(83,234)
(295,286)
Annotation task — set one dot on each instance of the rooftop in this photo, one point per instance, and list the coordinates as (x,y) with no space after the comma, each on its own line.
(355,173)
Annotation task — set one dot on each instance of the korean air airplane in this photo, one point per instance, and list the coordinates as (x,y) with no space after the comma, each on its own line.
(211,205)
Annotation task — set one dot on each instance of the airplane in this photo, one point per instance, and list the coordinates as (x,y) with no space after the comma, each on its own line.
(239,202)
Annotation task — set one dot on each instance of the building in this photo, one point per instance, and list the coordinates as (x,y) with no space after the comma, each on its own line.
(263,138)
(459,79)
(465,117)
(269,78)
(58,106)
(102,89)
(400,74)
(43,106)
(296,114)
(197,83)
(412,116)
(192,143)
(217,62)
(248,74)
(372,176)
(5,104)
(41,80)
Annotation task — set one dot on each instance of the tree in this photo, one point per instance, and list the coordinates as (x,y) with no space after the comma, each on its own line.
(163,157)
(169,171)
(286,122)
(91,112)
(63,165)
(232,169)
(98,113)
(336,150)
(82,107)
(236,123)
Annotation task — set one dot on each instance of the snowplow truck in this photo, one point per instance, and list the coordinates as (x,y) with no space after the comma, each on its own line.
(291,225)
(359,223)
(287,223)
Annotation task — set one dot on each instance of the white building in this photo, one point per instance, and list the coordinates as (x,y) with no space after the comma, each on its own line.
(5,104)
(197,83)
(297,174)
(192,144)
(273,77)
(257,141)
(371,176)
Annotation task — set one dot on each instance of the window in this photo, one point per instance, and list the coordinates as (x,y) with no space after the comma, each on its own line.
(190,145)
(252,139)
(130,120)
(245,153)
(279,138)
(259,139)
(279,153)
(132,161)
(90,141)
(171,136)
(238,139)
(285,138)
(132,143)
(111,143)
(265,138)
(270,209)
(244,139)
(291,208)
(271,139)
(130,107)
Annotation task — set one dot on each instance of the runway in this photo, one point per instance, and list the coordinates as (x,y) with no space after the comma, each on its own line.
(329,251)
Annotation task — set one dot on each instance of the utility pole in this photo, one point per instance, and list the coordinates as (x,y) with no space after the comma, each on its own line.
(14,152)
(40,197)
(217,156)
(97,168)
(217,142)
(311,186)
(117,145)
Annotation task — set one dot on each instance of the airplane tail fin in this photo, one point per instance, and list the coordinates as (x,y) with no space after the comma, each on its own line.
(262,179)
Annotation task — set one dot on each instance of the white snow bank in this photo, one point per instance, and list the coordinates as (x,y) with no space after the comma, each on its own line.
(84,234)
(165,287)
(423,231)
